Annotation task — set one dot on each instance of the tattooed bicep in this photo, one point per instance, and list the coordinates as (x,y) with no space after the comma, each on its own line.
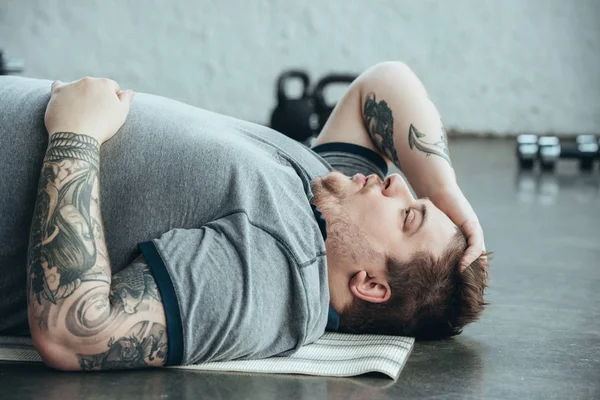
(379,122)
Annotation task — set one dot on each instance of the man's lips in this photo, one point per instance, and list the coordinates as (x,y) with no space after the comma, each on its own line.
(361,179)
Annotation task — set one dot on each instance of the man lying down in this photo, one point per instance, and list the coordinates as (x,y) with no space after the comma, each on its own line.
(170,235)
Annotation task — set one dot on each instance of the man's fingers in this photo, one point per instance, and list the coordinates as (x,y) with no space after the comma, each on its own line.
(114,86)
(474,233)
(126,96)
(102,82)
(55,85)
(473,251)
(472,254)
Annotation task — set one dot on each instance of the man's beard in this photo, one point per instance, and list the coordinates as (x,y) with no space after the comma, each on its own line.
(345,238)
(328,189)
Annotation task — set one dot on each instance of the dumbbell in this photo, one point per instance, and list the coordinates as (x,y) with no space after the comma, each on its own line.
(548,149)
(530,148)
(527,150)
(294,117)
(548,152)
(585,149)
(322,108)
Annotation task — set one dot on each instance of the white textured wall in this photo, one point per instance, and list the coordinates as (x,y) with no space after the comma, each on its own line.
(504,66)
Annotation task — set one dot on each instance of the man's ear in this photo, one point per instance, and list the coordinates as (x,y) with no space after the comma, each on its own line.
(371,289)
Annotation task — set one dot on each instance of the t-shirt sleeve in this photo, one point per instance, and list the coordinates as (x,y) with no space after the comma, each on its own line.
(351,159)
(230,290)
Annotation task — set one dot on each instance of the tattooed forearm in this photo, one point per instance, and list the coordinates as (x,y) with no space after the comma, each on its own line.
(439,148)
(62,246)
(380,125)
(71,302)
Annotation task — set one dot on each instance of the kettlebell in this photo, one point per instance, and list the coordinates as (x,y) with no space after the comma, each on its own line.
(294,117)
(321,107)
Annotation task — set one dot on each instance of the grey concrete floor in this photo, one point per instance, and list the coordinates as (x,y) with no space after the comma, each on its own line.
(539,339)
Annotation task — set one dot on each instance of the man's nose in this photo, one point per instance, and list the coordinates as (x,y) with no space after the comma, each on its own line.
(397,187)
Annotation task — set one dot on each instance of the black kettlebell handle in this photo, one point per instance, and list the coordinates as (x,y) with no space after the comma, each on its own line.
(292,74)
(326,81)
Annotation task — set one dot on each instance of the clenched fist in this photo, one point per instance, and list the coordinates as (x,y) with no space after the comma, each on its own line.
(93,107)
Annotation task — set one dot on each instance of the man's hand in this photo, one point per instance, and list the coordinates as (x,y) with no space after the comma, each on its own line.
(472,229)
(93,107)
(453,203)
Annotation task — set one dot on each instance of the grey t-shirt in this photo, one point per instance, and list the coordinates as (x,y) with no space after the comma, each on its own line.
(220,207)
(250,281)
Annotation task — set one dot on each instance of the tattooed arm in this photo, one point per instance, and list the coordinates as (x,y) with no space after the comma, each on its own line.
(80,317)
(414,133)
(401,123)
(387,110)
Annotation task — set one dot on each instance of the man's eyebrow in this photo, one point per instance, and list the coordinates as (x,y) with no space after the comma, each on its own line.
(424,218)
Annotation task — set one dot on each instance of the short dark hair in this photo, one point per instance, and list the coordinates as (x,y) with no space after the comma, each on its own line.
(430,298)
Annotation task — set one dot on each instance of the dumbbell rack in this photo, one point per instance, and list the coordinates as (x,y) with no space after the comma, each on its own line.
(547,150)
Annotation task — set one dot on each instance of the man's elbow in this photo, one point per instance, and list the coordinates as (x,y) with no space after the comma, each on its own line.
(395,68)
(394,74)
(54,355)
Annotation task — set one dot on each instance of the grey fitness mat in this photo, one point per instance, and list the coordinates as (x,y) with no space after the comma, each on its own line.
(334,354)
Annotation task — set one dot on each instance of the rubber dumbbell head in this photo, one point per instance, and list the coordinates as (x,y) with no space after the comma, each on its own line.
(587,149)
(527,150)
(548,152)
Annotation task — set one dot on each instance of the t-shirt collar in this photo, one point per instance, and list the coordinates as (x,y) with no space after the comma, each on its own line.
(333,320)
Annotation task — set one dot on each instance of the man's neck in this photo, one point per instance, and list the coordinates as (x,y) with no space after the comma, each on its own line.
(338,278)
(339,295)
